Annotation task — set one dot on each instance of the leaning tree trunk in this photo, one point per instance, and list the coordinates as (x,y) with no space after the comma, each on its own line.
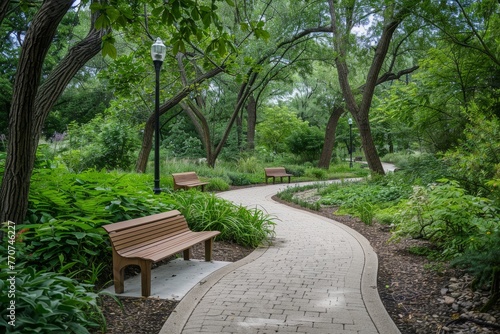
(360,112)
(251,122)
(4,9)
(369,148)
(32,103)
(23,141)
(326,153)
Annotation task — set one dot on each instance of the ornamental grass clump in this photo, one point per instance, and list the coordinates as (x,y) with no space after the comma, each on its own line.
(204,212)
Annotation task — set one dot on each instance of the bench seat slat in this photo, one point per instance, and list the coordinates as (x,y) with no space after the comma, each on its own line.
(162,249)
(131,249)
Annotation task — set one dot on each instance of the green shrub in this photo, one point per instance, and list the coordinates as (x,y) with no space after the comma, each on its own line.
(476,161)
(249,165)
(217,184)
(482,259)
(296,170)
(239,179)
(423,169)
(47,302)
(444,214)
(306,143)
(108,141)
(365,212)
(68,247)
(317,173)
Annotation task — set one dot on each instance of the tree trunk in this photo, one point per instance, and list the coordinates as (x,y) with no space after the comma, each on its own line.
(35,102)
(4,9)
(369,148)
(326,153)
(360,112)
(23,140)
(251,122)
(201,125)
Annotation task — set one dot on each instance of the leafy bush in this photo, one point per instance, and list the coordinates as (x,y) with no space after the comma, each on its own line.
(482,257)
(423,169)
(68,247)
(444,214)
(249,165)
(48,302)
(306,142)
(239,179)
(317,173)
(217,184)
(365,211)
(477,160)
(106,142)
(296,170)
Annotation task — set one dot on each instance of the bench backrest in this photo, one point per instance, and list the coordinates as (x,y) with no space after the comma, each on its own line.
(135,233)
(275,170)
(183,177)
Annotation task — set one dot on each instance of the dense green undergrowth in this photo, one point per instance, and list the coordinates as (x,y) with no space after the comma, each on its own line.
(63,256)
(425,199)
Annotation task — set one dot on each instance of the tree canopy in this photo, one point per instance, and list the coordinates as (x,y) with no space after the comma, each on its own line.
(240,75)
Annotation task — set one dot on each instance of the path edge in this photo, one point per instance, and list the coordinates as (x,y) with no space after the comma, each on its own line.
(369,290)
(180,315)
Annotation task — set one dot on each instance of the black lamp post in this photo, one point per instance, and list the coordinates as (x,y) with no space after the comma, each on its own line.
(158,51)
(350,142)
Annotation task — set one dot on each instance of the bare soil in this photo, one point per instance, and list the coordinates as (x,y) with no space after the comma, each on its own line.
(410,287)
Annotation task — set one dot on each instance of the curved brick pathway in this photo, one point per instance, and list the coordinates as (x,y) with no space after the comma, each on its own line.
(319,276)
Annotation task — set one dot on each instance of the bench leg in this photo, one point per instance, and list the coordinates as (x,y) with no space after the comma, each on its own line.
(118,278)
(187,254)
(145,278)
(208,249)
(118,273)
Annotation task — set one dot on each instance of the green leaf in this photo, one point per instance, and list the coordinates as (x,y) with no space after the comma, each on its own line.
(95,6)
(102,22)
(244,26)
(112,13)
(108,49)
(157,11)
(176,10)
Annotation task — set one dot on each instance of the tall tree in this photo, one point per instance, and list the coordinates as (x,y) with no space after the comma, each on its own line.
(32,100)
(343,19)
(34,94)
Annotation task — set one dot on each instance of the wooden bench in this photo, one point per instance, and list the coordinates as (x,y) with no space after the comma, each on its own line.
(144,241)
(187,180)
(275,172)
